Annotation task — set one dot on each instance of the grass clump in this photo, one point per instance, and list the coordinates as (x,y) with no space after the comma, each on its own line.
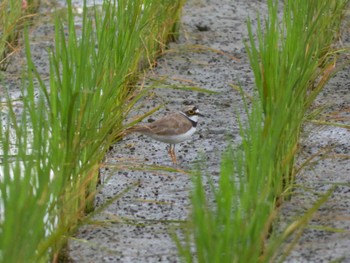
(13,16)
(51,151)
(11,12)
(292,59)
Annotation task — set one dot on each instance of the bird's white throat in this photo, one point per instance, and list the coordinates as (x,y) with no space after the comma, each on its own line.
(193,118)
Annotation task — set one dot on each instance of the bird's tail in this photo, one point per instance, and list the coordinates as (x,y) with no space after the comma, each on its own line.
(141,128)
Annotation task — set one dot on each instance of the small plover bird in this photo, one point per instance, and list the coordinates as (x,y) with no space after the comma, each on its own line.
(173,128)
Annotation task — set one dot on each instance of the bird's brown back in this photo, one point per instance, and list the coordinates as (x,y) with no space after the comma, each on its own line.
(170,124)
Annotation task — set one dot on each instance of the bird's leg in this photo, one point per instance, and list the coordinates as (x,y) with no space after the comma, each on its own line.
(172,154)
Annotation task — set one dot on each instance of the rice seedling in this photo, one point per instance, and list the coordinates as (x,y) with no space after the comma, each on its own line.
(51,153)
(10,14)
(292,59)
(14,15)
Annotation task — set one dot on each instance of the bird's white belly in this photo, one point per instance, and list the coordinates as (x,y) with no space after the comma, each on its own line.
(173,139)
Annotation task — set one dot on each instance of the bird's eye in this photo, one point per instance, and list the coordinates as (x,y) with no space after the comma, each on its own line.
(191,112)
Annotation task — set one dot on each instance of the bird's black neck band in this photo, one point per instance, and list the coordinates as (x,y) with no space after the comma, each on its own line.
(194,123)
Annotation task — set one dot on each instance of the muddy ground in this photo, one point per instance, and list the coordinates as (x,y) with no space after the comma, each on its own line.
(210,54)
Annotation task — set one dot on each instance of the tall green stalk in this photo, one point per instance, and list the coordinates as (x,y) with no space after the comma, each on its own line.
(287,62)
(51,153)
(291,60)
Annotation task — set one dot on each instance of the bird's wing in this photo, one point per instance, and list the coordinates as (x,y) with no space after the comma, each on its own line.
(171,124)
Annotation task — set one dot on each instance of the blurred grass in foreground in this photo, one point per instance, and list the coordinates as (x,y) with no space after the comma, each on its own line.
(50,153)
(292,59)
